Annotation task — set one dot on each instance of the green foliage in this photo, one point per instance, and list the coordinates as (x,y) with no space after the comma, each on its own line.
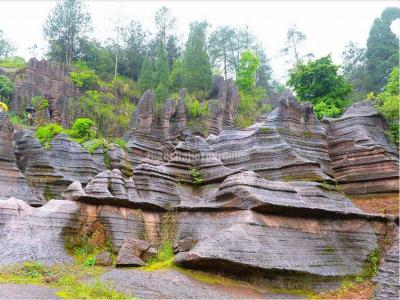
(82,130)
(162,72)
(388,105)
(17,120)
(248,108)
(176,76)
(45,134)
(146,79)
(382,49)
(92,145)
(318,81)
(195,108)
(197,179)
(15,62)
(125,88)
(6,87)
(90,261)
(196,63)
(161,94)
(84,77)
(246,75)
(294,43)
(40,103)
(121,143)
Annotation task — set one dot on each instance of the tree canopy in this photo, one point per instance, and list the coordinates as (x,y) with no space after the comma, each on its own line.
(318,81)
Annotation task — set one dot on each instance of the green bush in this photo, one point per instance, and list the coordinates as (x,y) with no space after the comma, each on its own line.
(40,103)
(195,108)
(13,62)
(120,142)
(45,134)
(6,88)
(92,145)
(82,130)
(197,179)
(17,120)
(84,77)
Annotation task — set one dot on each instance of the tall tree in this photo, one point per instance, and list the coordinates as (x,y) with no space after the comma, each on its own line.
(134,49)
(264,71)
(162,73)
(246,76)
(221,46)
(6,47)
(354,70)
(294,43)
(196,63)
(146,79)
(173,50)
(165,23)
(382,49)
(66,24)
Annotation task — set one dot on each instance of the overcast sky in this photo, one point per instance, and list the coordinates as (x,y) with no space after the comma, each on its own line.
(328,25)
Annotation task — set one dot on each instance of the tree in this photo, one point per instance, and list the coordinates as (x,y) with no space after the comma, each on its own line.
(263,74)
(354,70)
(173,50)
(66,24)
(6,88)
(176,76)
(382,49)
(6,47)
(162,73)
(196,63)
(146,79)
(134,52)
(294,42)
(246,76)
(221,46)
(318,81)
(165,22)
(388,105)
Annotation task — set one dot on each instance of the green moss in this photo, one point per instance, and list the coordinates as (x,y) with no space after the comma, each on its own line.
(264,130)
(327,186)
(298,292)
(328,249)
(307,134)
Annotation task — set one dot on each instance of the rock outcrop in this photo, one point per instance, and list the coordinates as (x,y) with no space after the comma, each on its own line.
(387,279)
(50,171)
(362,160)
(290,144)
(47,79)
(12,182)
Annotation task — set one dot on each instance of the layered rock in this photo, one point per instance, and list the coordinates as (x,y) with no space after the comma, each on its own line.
(47,79)
(362,160)
(387,279)
(12,182)
(50,171)
(224,97)
(290,144)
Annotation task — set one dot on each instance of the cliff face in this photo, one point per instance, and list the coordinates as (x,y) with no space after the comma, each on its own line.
(261,201)
(43,78)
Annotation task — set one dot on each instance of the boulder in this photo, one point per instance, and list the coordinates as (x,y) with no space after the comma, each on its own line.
(13,183)
(184,245)
(133,252)
(104,259)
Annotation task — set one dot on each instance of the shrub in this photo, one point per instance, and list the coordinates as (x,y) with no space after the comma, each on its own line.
(92,145)
(6,87)
(120,142)
(12,62)
(195,108)
(83,77)
(17,120)
(45,134)
(82,130)
(40,103)
(197,179)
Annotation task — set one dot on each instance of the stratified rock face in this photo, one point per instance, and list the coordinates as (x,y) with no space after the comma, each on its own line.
(49,172)
(12,182)
(36,234)
(362,160)
(387,279)
(224,97)
(43,78)
(290,144)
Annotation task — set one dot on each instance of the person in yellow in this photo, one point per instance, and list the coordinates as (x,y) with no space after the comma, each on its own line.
(3,107)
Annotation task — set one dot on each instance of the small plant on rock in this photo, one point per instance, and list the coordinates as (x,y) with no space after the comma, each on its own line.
(197,179)
(45,134)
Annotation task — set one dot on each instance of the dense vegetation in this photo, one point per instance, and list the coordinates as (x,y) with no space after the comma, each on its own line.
(112,75)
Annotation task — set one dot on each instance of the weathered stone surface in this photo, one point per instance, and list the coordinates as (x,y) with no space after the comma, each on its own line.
(362,160)
(184,245)
(224,97)
(387,279)
(36,234)
(104,259)
(49,172)
(290,144)
(12,182)
(47,79)
(131,252)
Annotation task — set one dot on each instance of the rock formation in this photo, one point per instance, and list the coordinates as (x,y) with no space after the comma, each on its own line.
(362,160)
(12,182)
(42,78)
